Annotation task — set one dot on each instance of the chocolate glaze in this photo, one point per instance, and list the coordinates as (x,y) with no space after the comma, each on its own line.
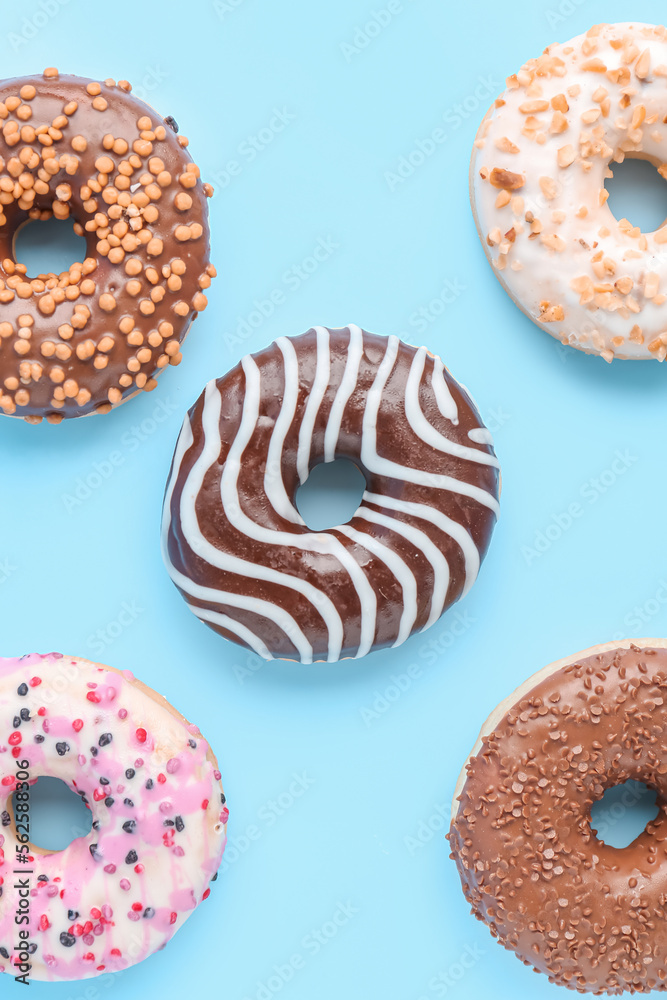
(590,916)
(32,380)
(310,371)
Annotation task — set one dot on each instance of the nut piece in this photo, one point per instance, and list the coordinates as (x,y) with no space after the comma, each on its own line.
(505,179)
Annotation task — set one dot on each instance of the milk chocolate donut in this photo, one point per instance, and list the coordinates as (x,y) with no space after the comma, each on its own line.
(117,895)
(537,178)
(87,339)
(590,916)
(235,544)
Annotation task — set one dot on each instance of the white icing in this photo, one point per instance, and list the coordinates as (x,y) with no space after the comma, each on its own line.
(385,467)
(446,524)
(274,485)
(426,431)
(400,570)
(443,397)
(480,435)
(315,396)
(422,543)
(579,240)
(347,386)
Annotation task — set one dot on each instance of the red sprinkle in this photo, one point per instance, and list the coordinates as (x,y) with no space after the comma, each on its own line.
(95,698)
(35,682)
(141,735)
(44,923)
(204,804)
(206,894)
(137,907)
(41,711)
(16,752)
(77,725)
(15,739)
(115,951)
(162,778)
(173,918)
(95,913)
(139,869)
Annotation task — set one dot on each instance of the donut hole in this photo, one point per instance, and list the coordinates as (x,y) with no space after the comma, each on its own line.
(57,815)
(49,247)
(331,495)
(623,812)
(638,193)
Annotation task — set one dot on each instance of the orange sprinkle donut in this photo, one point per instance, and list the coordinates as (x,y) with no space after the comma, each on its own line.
(87,339)
(538,172)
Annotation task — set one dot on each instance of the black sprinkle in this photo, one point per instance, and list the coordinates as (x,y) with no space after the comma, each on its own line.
(23,690)
(223,798)
(4,953)
(180,825)
(25,714)
(129,825)
(17,722)
(5,818)
(193,744)
(131,858)
(96,824)
(32,948)
(68,940)
(104,781)
(130,773)
(95,853)
(42,878)
(72,915)
(149,784)
(129,803)
(108,802)
(39,738)
(168,822)
(105,739)
(62,748)
(171,122)
(149,913)
(215,877)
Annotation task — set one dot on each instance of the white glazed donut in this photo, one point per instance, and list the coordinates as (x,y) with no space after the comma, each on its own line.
(538,172)
(117,895)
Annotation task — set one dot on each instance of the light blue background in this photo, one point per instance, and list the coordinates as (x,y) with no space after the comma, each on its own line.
(559,419)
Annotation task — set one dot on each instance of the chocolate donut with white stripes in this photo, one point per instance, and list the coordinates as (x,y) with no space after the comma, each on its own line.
(235,544)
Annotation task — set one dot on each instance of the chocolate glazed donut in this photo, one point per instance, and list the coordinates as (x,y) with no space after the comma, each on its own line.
(590,916)
(235,544)
(85,340)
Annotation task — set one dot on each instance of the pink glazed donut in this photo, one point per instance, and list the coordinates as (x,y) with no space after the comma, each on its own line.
(117,895)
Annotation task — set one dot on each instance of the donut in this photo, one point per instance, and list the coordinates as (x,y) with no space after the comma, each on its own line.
(87,339)
(537,180)
(590,916)
(117,895)
(235,544)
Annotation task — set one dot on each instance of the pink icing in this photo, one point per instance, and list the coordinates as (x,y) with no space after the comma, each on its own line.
(96,907)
